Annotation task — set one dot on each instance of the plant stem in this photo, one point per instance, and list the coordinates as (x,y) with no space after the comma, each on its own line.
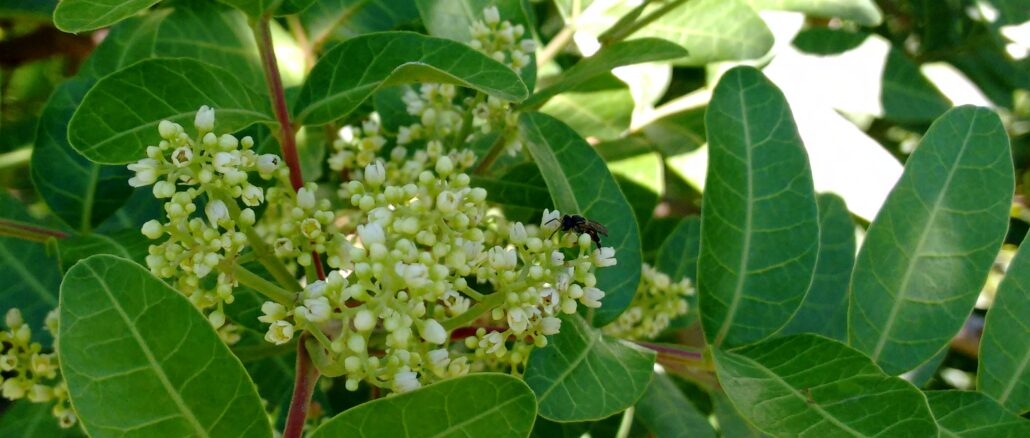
(491,156)
(488,304)
(303,386)
(619,35)
(28,232)
(16,158)
(555,46)
(265,287)
(263,35)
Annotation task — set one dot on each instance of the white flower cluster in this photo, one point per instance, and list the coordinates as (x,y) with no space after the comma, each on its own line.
(213,170)
(657,302)
(357,146)
(424,258)
(296,224)
(438,116)
(27,372)
(501,40)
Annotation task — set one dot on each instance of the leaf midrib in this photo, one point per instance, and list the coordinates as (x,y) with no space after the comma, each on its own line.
(572,366)
(494,408)
(748,221)
(881,342)
(151,359)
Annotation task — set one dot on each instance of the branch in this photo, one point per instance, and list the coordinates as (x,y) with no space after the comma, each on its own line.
(275,89)
(303,386)
(28,232)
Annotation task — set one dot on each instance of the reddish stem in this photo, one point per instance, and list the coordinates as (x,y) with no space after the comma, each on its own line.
(31,232)
(303,386)
(275,89)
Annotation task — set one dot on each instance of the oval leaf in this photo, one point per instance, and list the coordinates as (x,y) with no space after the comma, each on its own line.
(825,309)
(928,251)
(712,30)
(81,15)
(82,193)
(667,413)
(488,404)
(139,358)
(810,385)
(119,116)
(759,219)
(967,414)
(583,375)
(580,183)
(1004,371)
(349,73)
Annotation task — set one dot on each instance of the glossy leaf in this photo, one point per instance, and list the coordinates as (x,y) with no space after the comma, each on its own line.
(666,412)
(82,193)
(601,63)
(453,20)
(810,385)
(712,30)
(119,116)
(825,309)
(927,253)
(342,19)
(475,405)
(124,333)
(678,133)
(1004,371)
(759,219)
(513,192)
(349,73)
(863,12)
(731,424)
(580,183)
(967,414)
(77,247)
(601,108)
(126,43)
(83,15)
(24,419)
(29,278)
(584,375)
(257,8)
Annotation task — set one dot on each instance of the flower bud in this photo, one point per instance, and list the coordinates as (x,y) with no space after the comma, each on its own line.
(517,233)
(253,196)
(375,174)
(405,382)
(550,325)
(216,212)
(164,189)
(605,257)
(205,120)
(592,296)
(273,311)
(167,129)
(433,332)
(371,233)
(444,166)
(491,15)
(364,320)
(306,198)
(216,318)
(153,229)
(268,163)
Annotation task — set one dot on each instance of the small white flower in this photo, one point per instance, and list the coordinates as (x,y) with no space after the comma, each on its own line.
(375,173)
(517,233)
(216,212)
(444,165)
(405,382)
(146,172)
(13,389)
(433,332)
(439,357)
(268,163)
(315,289)
(491,15)
(371,233)
(592,296)
(182,156)
(225,162)
(493,343)
(528,46)
(347,134)
(502,259)
(557,258)
(306,198)
(217,319)
(310,228)
(205,120)
(551,220)
(168,130)
(604,257)
(550,325)
(364,320)
(517,320)
(280,332)
(273,312)
(153,229)
(164,189)
(447,202)
(253,196)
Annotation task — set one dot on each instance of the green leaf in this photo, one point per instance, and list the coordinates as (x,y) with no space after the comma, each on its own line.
(81,193)
(487,404)
(453,20)
(759,220)
(126,43)
(349,73)
(968,414)
(731,424)
(584,375)
(342,19)
(29,279)
(1004,371)
(678,133)
(24,419)
(119,116)
(713,30)
(226,40)
(601,108)
(810,385)
(580,183)
(863,12)
(826,41)
(677,258)
(80,246)
(927,253)
(825,309)
(907,95)
(666,412)
(81,15)
(601,63)
(139,359)
(253,8)
(514,192)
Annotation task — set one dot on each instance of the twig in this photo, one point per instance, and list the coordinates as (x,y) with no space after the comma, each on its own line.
(28,232)
(303,386)
(275,89)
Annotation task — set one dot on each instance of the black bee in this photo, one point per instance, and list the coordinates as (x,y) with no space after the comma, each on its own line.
(580,224)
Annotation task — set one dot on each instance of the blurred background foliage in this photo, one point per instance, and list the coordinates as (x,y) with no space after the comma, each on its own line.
(864,79)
